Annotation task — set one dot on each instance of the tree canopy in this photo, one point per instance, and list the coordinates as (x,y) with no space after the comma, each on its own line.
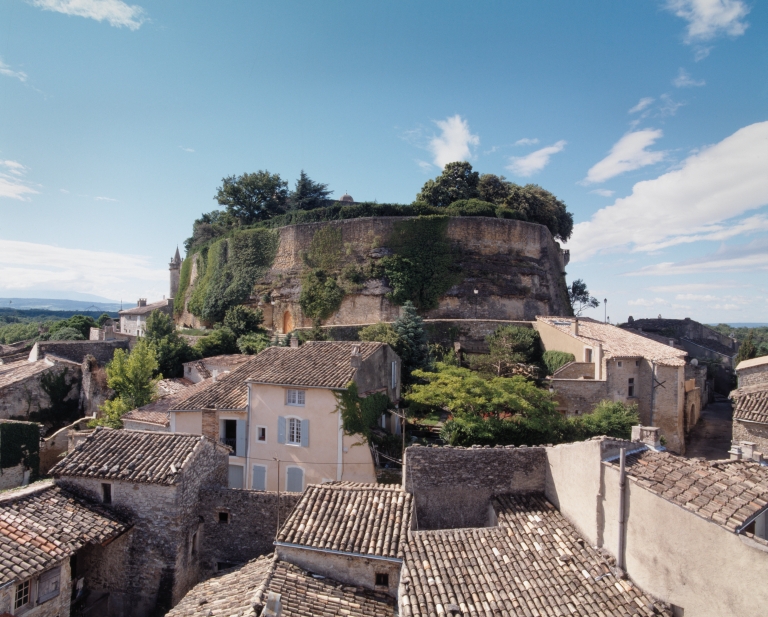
(253,197)
(308,194)
(509,347)
(171,350)
(457,181)
(578,294)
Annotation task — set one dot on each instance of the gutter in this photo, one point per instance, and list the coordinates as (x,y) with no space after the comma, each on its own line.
(294,385)
(342,553)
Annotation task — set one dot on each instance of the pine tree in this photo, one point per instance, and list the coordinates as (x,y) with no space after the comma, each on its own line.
(747,350)
(413,349)
(308,194)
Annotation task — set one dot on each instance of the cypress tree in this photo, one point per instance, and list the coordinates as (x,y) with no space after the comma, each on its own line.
(413,349)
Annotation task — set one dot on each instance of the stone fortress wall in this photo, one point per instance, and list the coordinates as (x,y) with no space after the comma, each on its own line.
(516,267)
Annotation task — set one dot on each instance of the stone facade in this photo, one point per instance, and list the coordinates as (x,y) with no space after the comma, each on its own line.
(58,606)
(517,268)
(26,395)
(452,486)
(76,351)
(751,432)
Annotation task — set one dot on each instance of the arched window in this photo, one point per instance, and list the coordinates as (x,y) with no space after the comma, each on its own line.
(287,322)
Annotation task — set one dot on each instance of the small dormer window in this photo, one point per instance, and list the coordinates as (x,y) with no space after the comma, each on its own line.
(295,398)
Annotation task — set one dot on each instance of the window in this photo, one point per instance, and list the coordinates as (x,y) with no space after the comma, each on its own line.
(294,479)
(382,579)
(235,476)
(295,398)
(49,584)
(106,493)
(587,355)
(294,431)
(261,433)
(233,435)
(394,375)
(637,362)
(22,594)
(619,363)
(631,387)
(259,482)
(224,518)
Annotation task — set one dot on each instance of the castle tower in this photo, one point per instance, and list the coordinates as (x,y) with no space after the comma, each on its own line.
(175,268)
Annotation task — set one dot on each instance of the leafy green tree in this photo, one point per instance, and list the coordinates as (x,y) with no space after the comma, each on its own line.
(81,323)
(510,346)
(537,205)
(103,318)
(611,418)
(555,360)
(243,320)
(457,181)
(747,349)
(383,333)
(253,196)
(493,188)
(320,295)
(253,343)
(578,294)
(171,349)
(413,350)
(360,416)
(66,334)
(308,194)
(210,225)
(220,341)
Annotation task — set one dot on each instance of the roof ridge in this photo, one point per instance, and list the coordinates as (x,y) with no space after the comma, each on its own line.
(25,491)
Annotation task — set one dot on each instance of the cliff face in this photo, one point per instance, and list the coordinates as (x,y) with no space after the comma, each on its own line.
(516,268)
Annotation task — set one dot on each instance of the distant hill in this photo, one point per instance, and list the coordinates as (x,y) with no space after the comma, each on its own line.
(53,304)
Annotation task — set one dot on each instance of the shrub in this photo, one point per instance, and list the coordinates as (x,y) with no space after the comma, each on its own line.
(253,343)
(382,333)
(243,320)
(220,341)
(66,334)
(510,347)
(320,295)
(471,207)
(611,418)
(555,360)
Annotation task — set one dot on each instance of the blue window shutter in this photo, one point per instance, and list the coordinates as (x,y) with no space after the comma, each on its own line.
(240,441)
(281,429)
(235,476)
(259,478)
(305,433)
(294,480)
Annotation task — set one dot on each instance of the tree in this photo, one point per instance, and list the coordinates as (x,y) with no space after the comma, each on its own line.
(253,197)
(252,344)
(66,334)
(536,205)
(510,347)
(360,415)
(103,318)
(171,350)
(578,294)
(308,194)
(81,323)
(243,320)
(383,333)
(457,181)
(493,188)
(413,350)
(220,341)
(747,350)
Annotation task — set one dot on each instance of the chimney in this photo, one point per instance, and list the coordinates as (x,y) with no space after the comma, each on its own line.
(357,358)
(649,435)
(142,302)
(671,342)
(215,374)
(575,327)
(294,342)
(274,607)
(598,359)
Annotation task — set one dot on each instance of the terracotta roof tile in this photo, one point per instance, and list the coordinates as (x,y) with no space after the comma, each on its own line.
(166,387)
(236,591)
(160,418)
(751,404)
(728,493)
(533,563)
(43,524)
(229,391)
(367,519)
(618,343)
(135,456)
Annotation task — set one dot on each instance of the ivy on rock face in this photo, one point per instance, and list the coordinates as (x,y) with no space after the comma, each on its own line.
(320,295)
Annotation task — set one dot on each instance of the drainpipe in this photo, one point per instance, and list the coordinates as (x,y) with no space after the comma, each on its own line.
(620,564)
(653,389)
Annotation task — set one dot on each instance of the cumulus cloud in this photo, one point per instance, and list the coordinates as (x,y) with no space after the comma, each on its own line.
(684,80)
(117,13)
(12,183)
(525,141)
(454,142)
(9,72)
(709,189)
(629,153)
(535,161)
(642,104)
(710,18)
(27,265)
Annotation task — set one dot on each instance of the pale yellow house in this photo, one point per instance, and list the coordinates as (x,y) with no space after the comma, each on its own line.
(278,414)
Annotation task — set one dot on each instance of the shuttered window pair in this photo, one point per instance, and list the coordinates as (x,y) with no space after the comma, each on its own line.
(294,479)
(293,431)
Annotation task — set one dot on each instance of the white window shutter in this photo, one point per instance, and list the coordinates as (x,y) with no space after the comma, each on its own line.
(259,478)
(240,441)
(281,429)
(305,433)
(235,476)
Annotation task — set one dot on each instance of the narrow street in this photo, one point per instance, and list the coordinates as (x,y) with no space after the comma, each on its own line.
(711,437)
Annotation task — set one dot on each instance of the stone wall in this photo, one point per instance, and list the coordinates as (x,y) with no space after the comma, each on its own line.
(452,486)
(93,386)
(11,477)
(250,528)
(26,396)
(751,431)
(576,397)
(76,351)
(57,444)
(753,376)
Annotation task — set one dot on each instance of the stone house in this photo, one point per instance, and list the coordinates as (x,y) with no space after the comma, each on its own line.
(750,411)
(617,365)
(277,413)
(155,415)
(21,390)
(133,322)
(45,531)
(154,480)
(197,370)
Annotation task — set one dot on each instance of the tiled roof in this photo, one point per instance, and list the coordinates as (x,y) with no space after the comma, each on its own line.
(156,412)
(367,519)
(135,456)
(618,343)
(229,391)
(160,418)
(145,310)
(235,592)
(728,493)
(166,387)
(752,363)
(20,370)
(534,564)
(319,364)
(43,524)
(231,359)
(751,404)
(201,368)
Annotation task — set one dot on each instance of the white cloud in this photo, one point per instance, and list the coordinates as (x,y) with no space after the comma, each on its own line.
(710,187)
(709,18)
(104,199)
(652,302)
(535,161)
(742,258)
(627,154)
(525,141)
(9,72)
(696,297)
(186,149)
(26,265)
(12,184)
(603,192)
(454,142)
(424,165)
(684,80)
(117,13)
(642,104)
(691,287)
(668,106)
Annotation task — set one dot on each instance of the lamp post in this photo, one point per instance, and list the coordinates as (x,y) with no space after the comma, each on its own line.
(476,299)
(605,311)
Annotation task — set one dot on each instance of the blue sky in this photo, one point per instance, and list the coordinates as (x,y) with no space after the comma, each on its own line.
(648,118)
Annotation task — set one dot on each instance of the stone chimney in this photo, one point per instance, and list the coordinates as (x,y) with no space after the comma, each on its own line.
(142,302)
(649,435)
(274,607)
(294,342)
(575,327)
(598,360)
(357,358)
